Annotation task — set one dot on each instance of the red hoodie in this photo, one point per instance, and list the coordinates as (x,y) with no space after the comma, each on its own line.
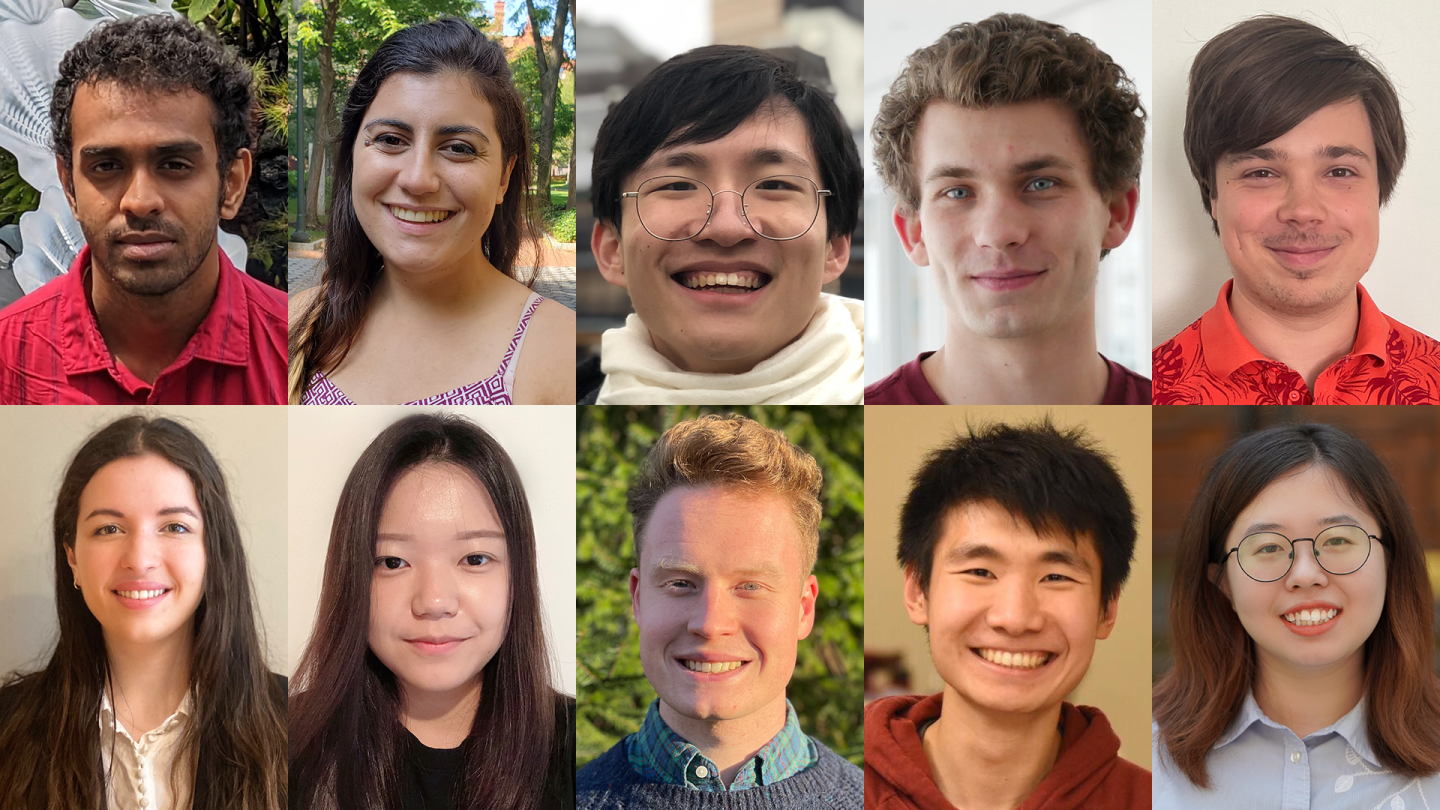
(1088,774)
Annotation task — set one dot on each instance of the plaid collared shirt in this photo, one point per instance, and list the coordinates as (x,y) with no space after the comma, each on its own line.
(660,755)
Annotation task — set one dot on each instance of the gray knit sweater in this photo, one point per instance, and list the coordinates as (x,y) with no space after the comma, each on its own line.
(609,783)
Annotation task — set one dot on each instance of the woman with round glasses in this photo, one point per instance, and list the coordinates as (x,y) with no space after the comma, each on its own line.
(1301,623)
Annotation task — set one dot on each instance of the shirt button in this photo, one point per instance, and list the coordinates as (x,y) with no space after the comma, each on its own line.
(144,801)
(1295,757)
(1294,395)
(702,772)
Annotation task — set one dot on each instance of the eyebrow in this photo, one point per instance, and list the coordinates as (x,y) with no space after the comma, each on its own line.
(969,552)
(186,147)
(672,565)
(169,510)
(448,129)
(469,534)
(1270,154)
(1041,163)
(764,156)
(1278,528)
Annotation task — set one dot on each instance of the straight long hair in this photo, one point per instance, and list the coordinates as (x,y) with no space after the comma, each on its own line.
(323,334)
(1215,662)
(235,739)
(346,738)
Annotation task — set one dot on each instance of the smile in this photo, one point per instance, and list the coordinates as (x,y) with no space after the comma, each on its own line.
(142,594)
(411,215)
(739,282)
(713,667)
(1015,660)
(1310,618)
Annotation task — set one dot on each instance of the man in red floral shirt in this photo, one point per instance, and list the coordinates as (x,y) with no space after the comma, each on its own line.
(1294,188)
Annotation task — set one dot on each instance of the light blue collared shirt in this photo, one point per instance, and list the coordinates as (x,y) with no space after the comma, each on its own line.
(1259,763)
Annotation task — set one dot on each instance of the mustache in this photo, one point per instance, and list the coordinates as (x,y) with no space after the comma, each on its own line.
(1290,239)
(134,225)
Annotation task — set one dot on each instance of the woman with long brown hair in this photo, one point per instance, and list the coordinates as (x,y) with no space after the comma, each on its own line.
(157,694)
(420,301)
(1301,622)
(426,682)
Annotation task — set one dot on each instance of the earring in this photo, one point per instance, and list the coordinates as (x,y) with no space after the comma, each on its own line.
(77,584)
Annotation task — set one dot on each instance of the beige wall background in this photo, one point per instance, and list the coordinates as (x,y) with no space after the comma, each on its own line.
(325,442)
(37,443)
(897,438)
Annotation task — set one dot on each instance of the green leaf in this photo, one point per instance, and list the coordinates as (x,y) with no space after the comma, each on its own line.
(200,9)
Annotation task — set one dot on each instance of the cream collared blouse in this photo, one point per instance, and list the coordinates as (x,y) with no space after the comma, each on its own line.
(139,770)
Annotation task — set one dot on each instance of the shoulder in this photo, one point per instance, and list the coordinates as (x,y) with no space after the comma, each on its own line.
(33,307)
(300,301)
(906,385)
(543,374)
(841,769)
(604,774)
(262,299)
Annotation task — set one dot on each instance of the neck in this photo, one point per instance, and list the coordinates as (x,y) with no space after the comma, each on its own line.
(1058,366)
(148,680)
(452,292)
(729,743)
(985,760)
(147,332)
(1307,342)
(440,719)
(1308,699)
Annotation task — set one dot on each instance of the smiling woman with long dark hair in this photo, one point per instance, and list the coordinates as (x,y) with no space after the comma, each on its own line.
(426,682)
(420,301)
(157,694)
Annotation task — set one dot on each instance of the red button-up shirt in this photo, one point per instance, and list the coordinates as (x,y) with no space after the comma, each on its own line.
(51,351)
(1211,363)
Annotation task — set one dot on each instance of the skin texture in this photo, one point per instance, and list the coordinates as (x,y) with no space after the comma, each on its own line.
(1301,504)
(714,332)
(1300,193)
(145,170)
(441,572)
(720,580)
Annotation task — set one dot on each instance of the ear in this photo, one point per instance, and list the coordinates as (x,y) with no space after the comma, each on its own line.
(1109,612)
(809,592)
(916,604)
(236,178)
(505,183)
(1122,216)
(907,224)
(605,245)
(837,257)
(634,589)
(70,558)
(67,184)
(1217,576)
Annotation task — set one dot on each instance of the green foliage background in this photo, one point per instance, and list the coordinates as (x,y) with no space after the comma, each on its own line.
(828,685)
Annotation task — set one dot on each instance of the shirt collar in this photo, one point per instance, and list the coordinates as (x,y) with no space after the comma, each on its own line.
(1351,728)
(108,721)
(222,337)
(659,753)
(1226,349)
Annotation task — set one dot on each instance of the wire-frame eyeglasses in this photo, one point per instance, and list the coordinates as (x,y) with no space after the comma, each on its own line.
(779,208)
(1267,556)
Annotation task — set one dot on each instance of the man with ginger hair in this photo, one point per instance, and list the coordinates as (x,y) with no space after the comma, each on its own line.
(727,516)
(1013,147)
(1294,188)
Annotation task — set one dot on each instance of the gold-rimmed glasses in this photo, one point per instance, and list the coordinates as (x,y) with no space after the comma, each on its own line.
(780,208)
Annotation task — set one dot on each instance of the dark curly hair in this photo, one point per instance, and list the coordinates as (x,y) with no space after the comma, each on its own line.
(1010,59)
(157,52)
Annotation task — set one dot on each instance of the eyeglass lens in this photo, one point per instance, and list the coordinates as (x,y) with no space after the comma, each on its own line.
(677,208)
(1339,550)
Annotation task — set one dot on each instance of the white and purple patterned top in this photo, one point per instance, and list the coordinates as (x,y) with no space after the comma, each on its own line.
(493,390)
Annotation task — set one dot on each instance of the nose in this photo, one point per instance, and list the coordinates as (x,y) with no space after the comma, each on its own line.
(435,596)
(713,614)
(1016,609)
(727,225)
(1305,570)
(142,196)
(420,175)
(142,552)
(1302,205)
(1000,222)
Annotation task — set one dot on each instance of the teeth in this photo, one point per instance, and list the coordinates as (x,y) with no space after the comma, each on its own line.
(1309,618)
(699,280)
(1015,660)
(710,666)
(419,216)
(140,594)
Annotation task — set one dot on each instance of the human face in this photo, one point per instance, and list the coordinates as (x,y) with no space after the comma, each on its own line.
(1013,615)
(724,329)
(440,594)
(1302,503)
(720,585)
(144,186)
(1299,217)
(1009,217)
(429,172)
(139,553)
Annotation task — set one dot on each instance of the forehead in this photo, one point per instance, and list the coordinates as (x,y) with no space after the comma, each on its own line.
(773,140)
(996,140)
(723,528)
(110,114)
(1303,500)
(1007,536)
(142,480)
(426,102)
(442,497)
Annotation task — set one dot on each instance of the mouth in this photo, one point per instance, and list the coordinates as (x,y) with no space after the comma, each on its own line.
(1007,280)
(435,644)
(736,282)
(711,667)
(1313,619)
(418,216)
(1014,660)
(1301,256)
(140,597)
(146,246)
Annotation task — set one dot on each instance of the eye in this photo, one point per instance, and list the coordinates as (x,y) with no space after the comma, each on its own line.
(460,149)
(679,585)
(388,141)
(1057,578)
(390,563)
(1261,174)
(107,529)
(177,528)
(175,166)
(1269,548)
(750,586)
(776,184)
(1343,172)
(478,560)
(673,184)
(983,573)
(957,193)
(1040,184)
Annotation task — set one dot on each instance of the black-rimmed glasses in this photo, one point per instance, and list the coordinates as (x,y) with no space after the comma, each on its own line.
(1267,556)
(779,208)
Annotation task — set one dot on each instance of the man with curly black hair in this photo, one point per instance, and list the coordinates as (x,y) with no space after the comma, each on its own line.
(1013,147)
(151,125)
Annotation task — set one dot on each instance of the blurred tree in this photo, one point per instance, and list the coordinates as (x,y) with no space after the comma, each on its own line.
(550,60)
(827,687)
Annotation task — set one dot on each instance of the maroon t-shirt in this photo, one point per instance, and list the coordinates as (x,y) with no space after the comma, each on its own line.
(908,386)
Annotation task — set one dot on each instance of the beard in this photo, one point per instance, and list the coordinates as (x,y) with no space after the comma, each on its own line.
(150,278)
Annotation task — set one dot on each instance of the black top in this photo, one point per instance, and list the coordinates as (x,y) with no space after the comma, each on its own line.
(588,379)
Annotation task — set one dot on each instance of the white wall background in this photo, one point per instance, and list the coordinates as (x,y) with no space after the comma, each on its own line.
(36,444)
(1400,34)
(903,316)
(325,442)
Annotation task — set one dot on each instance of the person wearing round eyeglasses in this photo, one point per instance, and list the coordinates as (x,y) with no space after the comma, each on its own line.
(1301,621)
(726,188)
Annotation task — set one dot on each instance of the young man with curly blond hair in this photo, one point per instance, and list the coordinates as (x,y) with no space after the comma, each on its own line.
(727,516)
(1013,147)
